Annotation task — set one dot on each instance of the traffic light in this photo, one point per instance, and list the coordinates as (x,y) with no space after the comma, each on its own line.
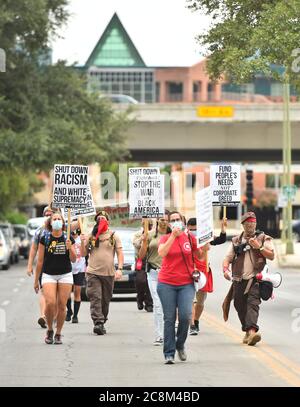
(249,189)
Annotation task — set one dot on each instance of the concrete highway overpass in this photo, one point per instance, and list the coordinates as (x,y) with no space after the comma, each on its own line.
(174,132)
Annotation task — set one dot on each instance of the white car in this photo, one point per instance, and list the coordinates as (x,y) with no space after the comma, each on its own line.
(33,224)
(125,99)
(4,252)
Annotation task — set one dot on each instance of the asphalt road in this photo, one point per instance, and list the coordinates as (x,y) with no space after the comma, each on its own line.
(126,356)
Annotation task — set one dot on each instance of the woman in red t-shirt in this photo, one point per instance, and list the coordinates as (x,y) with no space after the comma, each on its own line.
(176,285)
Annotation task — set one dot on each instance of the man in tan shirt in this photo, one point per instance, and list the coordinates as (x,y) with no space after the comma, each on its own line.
(247,256)
(102,245)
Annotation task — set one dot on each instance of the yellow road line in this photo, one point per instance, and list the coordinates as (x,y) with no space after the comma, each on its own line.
(276,362)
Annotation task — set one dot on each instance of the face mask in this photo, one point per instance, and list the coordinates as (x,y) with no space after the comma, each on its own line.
(193,232)
(57,224)
(249,228)
(177,224)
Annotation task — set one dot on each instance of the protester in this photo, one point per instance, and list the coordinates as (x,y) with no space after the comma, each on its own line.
(247,256)
(149,251)
(100,275)
(78,270)
(176,285)
(144,299)
(40,232)
(201,295)
(55,253)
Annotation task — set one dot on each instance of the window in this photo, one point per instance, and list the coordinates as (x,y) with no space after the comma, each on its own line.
(175,91)
(297,180)
(273,180)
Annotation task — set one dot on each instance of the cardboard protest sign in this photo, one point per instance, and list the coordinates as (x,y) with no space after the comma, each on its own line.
(71,188)
(225,182)
(146,193)
(204,213)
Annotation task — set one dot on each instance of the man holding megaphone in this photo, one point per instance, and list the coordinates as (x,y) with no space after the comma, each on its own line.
(247,256)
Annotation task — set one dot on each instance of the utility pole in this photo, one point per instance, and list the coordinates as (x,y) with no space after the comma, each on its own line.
(288,154)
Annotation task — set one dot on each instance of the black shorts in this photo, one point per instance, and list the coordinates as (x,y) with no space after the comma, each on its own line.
(40,280)
(79,279)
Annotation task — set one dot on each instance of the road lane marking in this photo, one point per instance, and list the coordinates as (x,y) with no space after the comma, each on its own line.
(15,290)
(5,303)
(264,354)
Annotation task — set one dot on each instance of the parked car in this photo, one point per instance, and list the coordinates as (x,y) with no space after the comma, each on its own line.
(33,224)
(4,252)
(21,233)
(296,229)
(125,99)
(127,284)
(8,232)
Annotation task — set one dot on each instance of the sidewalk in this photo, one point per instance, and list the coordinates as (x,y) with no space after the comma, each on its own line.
(287,260)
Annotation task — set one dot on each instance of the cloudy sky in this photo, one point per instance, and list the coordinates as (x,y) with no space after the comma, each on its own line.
(163,31)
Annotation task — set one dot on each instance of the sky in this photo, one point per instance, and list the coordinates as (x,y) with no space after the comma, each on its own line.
(163,31)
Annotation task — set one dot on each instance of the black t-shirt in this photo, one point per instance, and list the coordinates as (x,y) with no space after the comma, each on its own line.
(56,258)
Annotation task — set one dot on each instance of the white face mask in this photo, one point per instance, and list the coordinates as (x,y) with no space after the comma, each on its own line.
(193,232)
(177,224)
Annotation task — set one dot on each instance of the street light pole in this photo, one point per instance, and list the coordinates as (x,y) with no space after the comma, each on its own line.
(284,169)
(289,242)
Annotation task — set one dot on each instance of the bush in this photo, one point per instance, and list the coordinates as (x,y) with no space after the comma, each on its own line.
(16,217)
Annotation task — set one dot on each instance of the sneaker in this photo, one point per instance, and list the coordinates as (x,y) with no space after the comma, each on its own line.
(253,338)
(99,329)
(49,337)
(140,306)
(245,339)
(193,330)
(74,320)
(149,308)
(169,360)
(69,316)
(42,322)
(196,324)
(158,342)
(57,339)
(181,354)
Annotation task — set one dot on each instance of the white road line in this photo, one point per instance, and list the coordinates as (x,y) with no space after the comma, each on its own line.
(5,303)
(15,290)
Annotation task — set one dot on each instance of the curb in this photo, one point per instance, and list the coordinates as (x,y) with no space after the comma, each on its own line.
(285,260)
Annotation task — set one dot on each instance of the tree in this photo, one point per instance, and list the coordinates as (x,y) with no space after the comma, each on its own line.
(247,37)
(46,113)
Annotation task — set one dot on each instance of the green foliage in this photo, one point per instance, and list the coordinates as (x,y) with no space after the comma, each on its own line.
(247,37)
(46,114)
(16,218)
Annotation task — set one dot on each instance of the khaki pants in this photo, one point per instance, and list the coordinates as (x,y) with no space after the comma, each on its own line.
(99,290)
(247,305)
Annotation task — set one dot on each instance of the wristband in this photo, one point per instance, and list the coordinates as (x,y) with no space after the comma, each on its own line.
(261,248)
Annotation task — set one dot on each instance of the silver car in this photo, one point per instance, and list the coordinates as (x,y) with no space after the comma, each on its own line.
(8,232)
(4,252)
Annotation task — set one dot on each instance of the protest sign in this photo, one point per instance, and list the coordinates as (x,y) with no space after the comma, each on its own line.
(204,212)
(71,189)
(225,182)
(146,193)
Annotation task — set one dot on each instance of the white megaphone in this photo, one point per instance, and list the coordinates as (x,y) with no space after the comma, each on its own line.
(274,278)
(201,282)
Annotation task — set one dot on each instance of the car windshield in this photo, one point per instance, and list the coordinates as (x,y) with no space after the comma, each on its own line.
(126,239)
(5,230)
(35,223)
(19,231)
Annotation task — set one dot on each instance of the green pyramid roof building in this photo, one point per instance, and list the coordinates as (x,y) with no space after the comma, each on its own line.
(115,49)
